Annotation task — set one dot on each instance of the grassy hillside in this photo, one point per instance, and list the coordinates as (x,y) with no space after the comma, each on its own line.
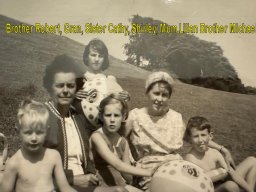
(24,57)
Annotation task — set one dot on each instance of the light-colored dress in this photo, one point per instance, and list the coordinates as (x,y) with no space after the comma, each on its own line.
(97,87)
(154,142)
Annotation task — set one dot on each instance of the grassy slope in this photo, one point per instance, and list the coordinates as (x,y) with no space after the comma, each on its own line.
(24,57)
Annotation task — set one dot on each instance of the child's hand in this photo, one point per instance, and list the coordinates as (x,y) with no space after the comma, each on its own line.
(158,165)
(81,94)
(124,95)
(86,180)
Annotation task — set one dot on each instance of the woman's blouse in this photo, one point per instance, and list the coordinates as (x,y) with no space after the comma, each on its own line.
(149,138)
(75,156)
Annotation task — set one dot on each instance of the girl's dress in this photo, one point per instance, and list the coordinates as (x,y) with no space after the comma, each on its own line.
(109,175)
(154,142)
(97,87)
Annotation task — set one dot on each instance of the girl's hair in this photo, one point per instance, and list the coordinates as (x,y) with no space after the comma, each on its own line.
(166,85)
(61,63)
(32,113)
(98,45)
(112,99)
(197,122)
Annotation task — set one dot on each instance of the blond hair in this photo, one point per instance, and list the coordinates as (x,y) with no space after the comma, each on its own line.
(32,113)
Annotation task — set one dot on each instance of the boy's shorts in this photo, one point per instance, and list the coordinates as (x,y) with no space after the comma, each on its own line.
(220,182)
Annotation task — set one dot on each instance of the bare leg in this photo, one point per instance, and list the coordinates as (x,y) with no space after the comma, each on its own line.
(247,169)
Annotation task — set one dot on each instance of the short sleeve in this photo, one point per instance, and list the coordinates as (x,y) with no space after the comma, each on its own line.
(129,122)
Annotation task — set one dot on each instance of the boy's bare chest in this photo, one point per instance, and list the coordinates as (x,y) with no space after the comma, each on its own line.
(35,172)
(208,163)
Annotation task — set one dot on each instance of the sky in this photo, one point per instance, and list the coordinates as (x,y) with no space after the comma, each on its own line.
(240,49)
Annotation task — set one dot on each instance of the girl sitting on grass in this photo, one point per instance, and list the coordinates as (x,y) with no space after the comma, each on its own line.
(110,150)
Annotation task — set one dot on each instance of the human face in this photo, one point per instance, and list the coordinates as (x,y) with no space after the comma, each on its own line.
(158,99)
(32,137)
(63,88)
(95,60)
(112,117)
(200,139)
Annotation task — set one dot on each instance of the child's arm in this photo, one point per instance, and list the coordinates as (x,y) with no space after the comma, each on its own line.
(103,150)
(126,159)
(190,157)
(59,175)
(224,151)
(9,177)
(235,177)
(215,175)
(124,95)
(128,125)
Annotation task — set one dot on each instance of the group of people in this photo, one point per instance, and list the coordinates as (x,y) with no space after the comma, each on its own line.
(84,139)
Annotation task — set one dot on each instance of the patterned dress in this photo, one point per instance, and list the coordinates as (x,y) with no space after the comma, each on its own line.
(154,141)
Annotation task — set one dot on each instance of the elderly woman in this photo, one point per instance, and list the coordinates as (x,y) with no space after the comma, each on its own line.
(69,131)
(156,131)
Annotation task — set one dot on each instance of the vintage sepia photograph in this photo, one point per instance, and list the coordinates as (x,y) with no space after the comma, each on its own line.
(128,96)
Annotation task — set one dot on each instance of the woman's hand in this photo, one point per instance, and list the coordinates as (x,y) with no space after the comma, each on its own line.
(86,180)
(228,157)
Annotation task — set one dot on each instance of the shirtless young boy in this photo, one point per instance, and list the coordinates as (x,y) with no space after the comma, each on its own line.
(33,167)
(198,133)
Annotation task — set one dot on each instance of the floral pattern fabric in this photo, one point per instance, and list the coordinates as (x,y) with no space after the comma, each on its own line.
(168,130)
(154,142)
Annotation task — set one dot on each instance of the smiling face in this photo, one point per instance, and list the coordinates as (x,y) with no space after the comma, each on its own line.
(95,60)
(200,139)
(32,136)
(158,99)
(63,88)
(112,117)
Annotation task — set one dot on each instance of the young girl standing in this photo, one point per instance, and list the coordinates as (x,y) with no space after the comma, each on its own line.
(97,85)
(110,150)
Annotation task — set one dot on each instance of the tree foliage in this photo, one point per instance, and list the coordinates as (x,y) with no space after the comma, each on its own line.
(188,57)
